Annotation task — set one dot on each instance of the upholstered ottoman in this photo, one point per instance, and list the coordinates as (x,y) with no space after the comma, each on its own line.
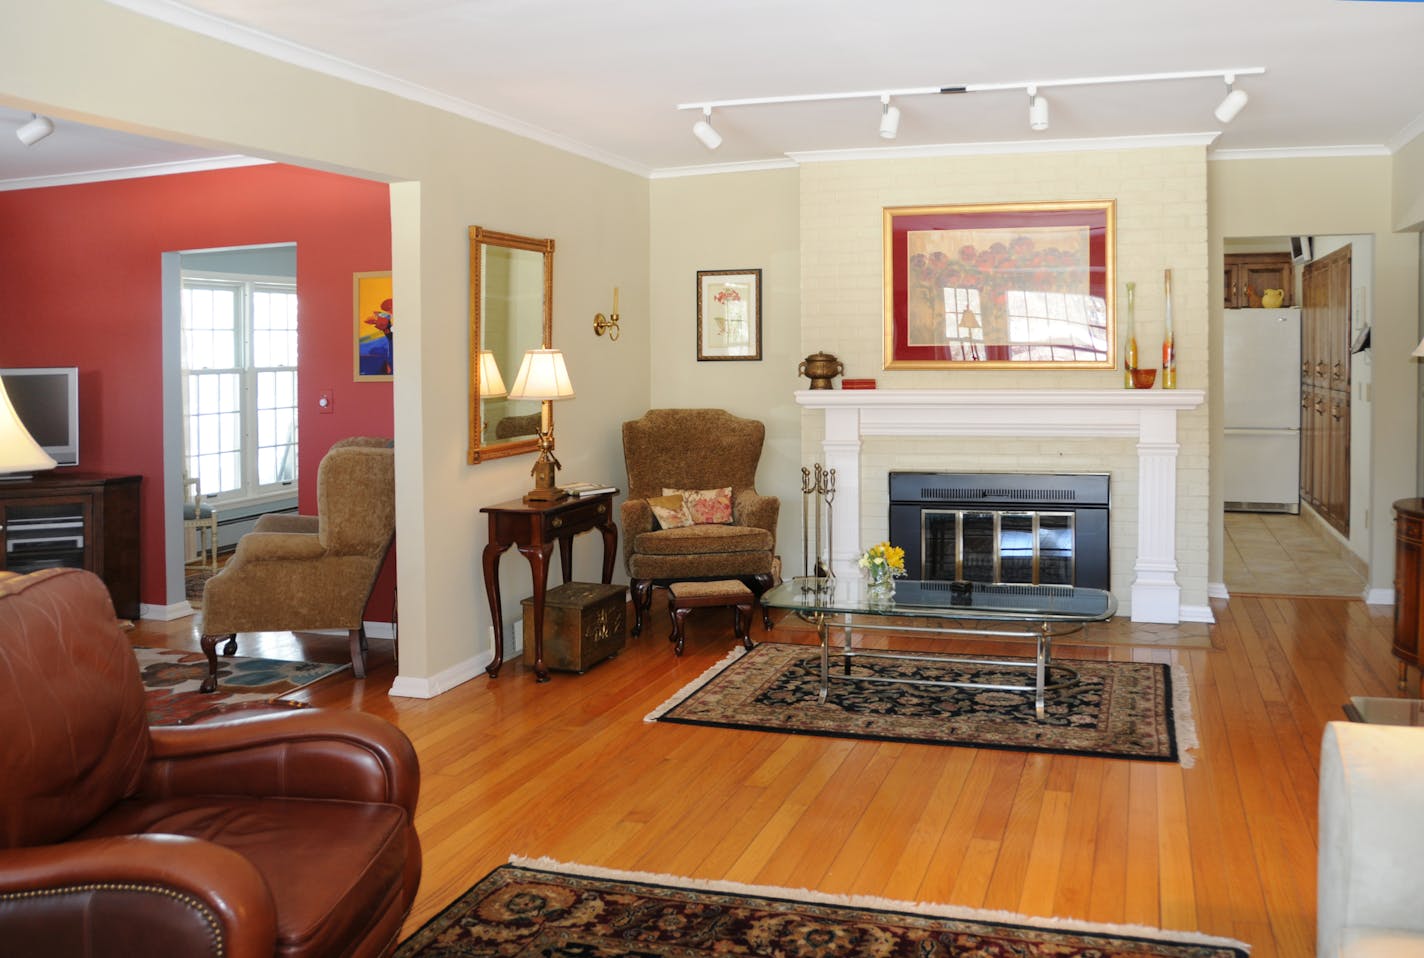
(683,597)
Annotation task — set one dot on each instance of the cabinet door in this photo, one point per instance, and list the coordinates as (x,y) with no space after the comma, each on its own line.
(1248,275)
(44,532)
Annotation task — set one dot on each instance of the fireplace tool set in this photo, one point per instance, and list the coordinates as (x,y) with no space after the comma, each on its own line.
(818,488)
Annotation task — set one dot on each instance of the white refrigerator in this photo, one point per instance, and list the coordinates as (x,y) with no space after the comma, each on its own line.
(1261,372)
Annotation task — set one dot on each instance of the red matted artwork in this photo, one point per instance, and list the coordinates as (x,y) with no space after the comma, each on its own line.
(1000,286)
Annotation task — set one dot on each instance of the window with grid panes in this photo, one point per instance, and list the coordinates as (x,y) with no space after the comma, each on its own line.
(239,385)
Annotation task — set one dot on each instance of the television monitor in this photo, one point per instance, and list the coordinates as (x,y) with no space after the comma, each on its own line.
(47,402)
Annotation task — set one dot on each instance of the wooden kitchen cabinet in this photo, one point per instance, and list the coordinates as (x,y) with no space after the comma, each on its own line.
(1325,388)
(1249,275)
(1408,570)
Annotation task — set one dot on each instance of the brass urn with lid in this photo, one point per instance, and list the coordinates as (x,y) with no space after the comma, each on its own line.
(820,368)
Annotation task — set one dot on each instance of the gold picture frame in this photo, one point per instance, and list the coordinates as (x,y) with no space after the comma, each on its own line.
(1000,286)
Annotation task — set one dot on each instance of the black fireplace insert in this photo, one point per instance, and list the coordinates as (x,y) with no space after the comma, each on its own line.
(1001,527)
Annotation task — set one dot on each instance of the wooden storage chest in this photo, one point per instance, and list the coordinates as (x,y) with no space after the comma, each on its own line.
(584,623)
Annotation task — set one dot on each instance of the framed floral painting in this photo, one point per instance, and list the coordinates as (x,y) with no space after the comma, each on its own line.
(1013,285)
(728,314)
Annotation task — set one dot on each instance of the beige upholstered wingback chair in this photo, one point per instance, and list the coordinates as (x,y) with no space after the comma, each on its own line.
(695,449)
(295,573)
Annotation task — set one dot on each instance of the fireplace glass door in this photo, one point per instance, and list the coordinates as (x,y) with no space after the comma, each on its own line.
(1026,547)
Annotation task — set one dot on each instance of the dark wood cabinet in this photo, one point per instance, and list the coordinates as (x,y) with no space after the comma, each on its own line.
(1325,388)
(1408,569)
(1249,275)
(74,519)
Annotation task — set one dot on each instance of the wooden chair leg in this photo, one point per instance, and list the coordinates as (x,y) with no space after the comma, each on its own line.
(742,624)
(642,590)
(210,649)
(358,654)
(679,620)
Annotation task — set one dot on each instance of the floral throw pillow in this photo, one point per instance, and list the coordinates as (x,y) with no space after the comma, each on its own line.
(670,511)
(706,506)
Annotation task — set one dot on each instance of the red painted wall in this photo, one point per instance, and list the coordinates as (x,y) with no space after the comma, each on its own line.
(80,286)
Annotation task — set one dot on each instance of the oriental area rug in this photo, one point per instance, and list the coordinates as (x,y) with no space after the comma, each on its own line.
(171,678)
(544,908)
(1133,710)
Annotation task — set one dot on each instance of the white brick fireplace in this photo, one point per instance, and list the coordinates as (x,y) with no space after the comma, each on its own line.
(1149,416)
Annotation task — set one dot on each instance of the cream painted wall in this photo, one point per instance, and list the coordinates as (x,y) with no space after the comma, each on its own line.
(1319,196)
(1161,224)
(733,221)
(91,61)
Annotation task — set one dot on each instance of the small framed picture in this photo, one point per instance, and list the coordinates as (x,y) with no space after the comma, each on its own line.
(374,342)
(728,314)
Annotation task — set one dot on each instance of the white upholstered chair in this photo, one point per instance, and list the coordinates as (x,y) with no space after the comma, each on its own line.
(1371,841)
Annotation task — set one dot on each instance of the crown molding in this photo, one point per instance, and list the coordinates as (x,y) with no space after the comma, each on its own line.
(748,166)
(1303,152)
(1089,144)
(131,172)
(196,21)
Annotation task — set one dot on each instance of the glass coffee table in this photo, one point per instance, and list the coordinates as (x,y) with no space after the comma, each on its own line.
(1043,612)
(1385,711)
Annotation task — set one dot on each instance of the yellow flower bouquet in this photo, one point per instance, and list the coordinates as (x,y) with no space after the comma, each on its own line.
(883,563)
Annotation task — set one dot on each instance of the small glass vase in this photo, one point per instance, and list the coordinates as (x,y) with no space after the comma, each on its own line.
(880,584)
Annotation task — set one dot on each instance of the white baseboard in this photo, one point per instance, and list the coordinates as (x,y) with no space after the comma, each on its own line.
(1379,597)
(1217,590)
(1197,613)
(165,613)
(406,686)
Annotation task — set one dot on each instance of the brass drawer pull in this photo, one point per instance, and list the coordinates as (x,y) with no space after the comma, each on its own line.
(557,522)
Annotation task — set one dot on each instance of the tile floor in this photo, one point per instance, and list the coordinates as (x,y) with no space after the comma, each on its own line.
(1284,555)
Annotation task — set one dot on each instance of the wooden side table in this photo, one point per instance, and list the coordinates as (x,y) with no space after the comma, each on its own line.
(1408,572)
(533,528)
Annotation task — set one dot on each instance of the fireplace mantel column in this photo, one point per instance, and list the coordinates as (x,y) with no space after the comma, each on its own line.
(1149,416)
(841,449)
(1156,596)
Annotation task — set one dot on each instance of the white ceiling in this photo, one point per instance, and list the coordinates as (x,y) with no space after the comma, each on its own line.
(603,79)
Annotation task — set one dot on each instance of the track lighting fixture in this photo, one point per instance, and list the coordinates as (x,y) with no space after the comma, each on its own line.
(35,129)
(702,129)
(1037,111)
(889,119)
(1235,100)
(1037,106)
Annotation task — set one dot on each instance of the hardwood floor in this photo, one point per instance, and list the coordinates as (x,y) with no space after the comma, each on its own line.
(570,770)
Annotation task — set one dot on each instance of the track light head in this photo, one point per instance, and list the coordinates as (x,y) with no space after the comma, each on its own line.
(889,119)
(1037,111)
(1235,100)
(36,129)
(702,129)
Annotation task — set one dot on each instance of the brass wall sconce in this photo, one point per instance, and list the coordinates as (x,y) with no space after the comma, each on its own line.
(609,325)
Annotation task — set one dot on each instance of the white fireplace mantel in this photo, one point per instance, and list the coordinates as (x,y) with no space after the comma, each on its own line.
(1149,416)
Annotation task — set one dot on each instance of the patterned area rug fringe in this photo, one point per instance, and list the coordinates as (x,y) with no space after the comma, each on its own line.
(1187,742)
(681,694)
(930,909)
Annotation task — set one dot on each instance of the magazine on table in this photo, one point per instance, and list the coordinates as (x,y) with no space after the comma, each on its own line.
(586,488)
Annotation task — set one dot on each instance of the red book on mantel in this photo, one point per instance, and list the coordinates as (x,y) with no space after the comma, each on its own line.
(857,384)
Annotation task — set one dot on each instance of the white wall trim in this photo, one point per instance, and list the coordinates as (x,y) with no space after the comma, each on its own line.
(132,172)
(406,686)
(165,613)
(1217,590)
(989,148)
(1302,152)
(1198,613)
(1379,597)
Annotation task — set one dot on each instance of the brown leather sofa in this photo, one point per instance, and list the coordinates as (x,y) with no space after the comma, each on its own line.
(276,834)
(695,449)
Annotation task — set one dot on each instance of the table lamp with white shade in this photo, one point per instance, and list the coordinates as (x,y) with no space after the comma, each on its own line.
(543,376)
(20,455)
(491,383)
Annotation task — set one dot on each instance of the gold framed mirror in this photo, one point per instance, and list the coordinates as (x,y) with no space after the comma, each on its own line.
(511,310)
